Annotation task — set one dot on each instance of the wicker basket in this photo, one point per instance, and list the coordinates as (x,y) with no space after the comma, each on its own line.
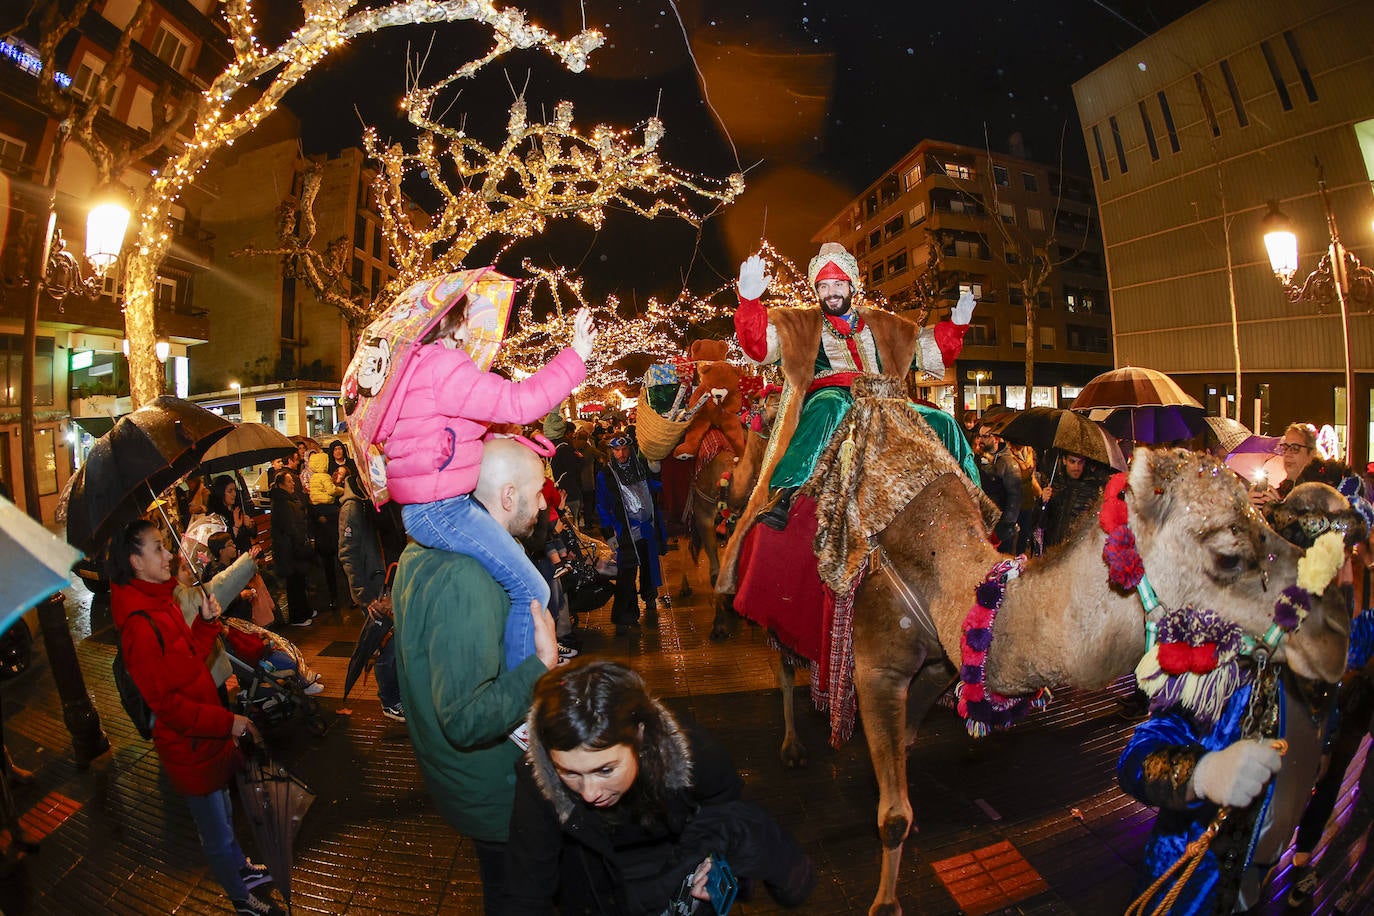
(657,435)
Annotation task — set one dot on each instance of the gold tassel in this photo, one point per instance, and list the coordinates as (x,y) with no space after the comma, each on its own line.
(847,454)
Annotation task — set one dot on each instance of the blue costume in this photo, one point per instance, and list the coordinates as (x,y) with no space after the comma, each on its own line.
(1157,769)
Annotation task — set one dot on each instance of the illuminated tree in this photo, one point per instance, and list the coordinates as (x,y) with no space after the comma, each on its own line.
(246,92)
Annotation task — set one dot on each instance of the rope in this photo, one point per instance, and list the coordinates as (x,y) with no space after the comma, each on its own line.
(1188,862)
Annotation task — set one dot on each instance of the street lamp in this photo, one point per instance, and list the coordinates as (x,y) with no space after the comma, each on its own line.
(239,388)
(1339,278)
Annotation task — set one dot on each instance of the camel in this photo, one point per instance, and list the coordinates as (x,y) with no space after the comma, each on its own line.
(1061,622)
(701,506)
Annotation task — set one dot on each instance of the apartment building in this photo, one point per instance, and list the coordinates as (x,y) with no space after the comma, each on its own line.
(946,218)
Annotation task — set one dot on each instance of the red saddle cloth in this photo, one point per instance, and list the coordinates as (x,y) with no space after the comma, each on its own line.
(780,589)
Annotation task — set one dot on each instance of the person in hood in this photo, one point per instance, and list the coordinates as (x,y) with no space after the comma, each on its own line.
(195,735)
(619,806)
(435,452)
(326,488)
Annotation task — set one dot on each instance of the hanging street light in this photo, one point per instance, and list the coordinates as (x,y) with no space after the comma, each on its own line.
(1339,279)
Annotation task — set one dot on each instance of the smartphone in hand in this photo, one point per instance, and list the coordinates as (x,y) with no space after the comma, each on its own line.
(721,885)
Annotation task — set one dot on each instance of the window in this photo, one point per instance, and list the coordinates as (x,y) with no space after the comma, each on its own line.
(12,372)
(359,232)
(966,245)
(1007,212)
(86,79)
(1277,76)
(877,274)
(890,189)
(1116,140)
(1046,338)
(1237,104)
(1101,154)
(169,47)
(973,289)
(1015,296)
(1088,340)
(871,204)
(1035,219)
(11,151)
(955,170)
(1301,63)
(166,295)
(894,226)
(357,273)
(1018,337)
(875,238)
(377,242)
(1168,120)
(1043,299)
(861,248)
(1029,183)
(981,333)
(896,264)
(999,175)
(911,177)
(1207,108)
(916,213)
(1149,130)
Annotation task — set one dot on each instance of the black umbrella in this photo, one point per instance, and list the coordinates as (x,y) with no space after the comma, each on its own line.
(145,452)
(246,445)
(376,631)
(275,802)
(1050,427)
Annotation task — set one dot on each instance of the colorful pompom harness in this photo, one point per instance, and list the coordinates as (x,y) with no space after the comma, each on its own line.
(1192,657)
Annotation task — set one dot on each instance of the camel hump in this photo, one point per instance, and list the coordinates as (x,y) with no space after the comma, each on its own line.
(944,506)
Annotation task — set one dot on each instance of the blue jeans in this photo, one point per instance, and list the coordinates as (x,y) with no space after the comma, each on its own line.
(214,817)
(461,525)
(384,671)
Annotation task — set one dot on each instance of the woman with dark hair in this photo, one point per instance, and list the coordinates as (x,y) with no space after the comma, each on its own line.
(195,735)
(619,807)
(225,500)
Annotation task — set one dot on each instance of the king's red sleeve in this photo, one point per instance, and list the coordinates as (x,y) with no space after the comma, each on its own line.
(751,327)
(949,337)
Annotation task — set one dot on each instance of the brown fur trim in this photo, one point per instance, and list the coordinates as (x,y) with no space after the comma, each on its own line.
(895,456)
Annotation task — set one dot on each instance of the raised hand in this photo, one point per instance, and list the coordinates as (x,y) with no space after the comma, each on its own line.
(753,278)
(963,309)
(584,333)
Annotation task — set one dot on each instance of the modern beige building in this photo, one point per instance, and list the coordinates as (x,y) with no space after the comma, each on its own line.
(1189,134)
(979,216)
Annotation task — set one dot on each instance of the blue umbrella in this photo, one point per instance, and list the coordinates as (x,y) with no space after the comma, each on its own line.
(34,563)
(1155,423)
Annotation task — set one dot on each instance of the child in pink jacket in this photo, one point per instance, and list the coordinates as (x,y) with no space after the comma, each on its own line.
(435,451)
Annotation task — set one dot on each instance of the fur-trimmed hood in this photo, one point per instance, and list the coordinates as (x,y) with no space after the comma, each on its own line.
(672,747)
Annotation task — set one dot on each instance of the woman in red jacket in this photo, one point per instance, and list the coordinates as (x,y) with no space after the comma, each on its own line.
(195,735)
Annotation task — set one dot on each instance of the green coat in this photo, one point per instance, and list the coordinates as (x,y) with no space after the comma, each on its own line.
(460,701)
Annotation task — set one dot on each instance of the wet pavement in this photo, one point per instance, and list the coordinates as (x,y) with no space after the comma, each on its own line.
(1028,821)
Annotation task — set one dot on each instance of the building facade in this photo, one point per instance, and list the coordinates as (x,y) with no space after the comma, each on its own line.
(947,217)
(1190,134)
(81,361)
(289,371)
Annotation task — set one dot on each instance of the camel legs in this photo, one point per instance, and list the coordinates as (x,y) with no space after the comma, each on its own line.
(793,752)
(883,704)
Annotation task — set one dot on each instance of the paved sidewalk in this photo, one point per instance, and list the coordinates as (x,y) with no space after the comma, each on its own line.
(1028,821)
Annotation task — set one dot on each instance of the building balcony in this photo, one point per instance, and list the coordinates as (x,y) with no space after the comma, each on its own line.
(105,314)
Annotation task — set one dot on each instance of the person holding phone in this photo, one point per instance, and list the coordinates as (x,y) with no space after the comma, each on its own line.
(620,807)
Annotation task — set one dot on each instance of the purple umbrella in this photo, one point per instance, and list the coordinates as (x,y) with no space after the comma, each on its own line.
(1153,423)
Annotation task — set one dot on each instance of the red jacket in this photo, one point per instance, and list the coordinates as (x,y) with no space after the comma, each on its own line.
(192,729)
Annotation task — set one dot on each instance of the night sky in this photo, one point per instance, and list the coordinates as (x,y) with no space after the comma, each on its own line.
(818,97)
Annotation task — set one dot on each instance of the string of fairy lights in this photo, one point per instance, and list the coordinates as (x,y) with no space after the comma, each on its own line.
(541,171)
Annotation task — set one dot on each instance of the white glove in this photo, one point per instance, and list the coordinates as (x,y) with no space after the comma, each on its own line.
(584,334)
(963,309)
(1235,775)
(753,278)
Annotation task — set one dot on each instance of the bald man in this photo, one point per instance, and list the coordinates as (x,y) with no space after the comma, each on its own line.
(463,703)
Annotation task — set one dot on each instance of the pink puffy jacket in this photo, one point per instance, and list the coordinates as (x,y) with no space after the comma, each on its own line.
(435,449)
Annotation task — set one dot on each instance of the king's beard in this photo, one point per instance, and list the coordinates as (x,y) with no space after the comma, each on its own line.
(837,305)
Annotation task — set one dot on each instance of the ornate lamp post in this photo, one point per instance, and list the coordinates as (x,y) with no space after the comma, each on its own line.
(57,273)
(1340,278)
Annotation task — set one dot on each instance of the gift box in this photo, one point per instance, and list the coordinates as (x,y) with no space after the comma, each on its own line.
(660,374)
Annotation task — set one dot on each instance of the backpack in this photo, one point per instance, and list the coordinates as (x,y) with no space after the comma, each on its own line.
(134,705)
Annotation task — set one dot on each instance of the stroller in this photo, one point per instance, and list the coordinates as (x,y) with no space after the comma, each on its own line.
(589,570)
(274,688)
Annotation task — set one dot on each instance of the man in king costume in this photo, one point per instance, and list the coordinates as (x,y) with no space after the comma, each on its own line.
(821,352)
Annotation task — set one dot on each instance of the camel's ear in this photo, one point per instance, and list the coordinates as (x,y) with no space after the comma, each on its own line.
(1150,496)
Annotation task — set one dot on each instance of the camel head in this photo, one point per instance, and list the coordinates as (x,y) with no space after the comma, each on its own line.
(1204,545)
